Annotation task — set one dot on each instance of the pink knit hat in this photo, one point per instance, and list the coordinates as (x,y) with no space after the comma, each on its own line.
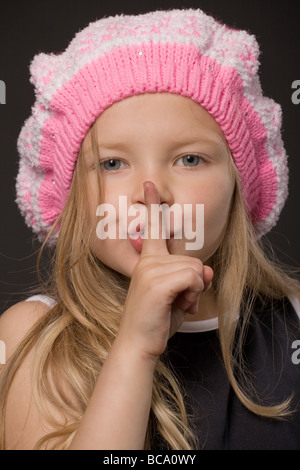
(183,52)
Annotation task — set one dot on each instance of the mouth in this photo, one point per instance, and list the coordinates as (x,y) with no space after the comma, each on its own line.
(137,244)
(136,238)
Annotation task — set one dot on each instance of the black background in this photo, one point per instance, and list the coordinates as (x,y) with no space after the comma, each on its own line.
(30,27)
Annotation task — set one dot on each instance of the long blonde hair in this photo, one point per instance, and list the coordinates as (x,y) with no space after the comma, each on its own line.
(89,302)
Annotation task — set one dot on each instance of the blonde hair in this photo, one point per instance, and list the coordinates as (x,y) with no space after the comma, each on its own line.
(89,302)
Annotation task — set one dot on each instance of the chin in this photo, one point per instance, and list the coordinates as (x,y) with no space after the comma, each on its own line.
(123,260)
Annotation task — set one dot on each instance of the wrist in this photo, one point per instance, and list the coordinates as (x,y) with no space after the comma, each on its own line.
(130,348)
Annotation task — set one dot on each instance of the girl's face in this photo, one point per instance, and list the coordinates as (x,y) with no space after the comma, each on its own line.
(173,142)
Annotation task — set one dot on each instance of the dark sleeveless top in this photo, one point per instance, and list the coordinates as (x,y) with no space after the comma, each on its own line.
(219,418)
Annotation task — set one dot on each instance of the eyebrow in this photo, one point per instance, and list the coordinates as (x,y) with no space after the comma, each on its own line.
(207,139)
(176,142)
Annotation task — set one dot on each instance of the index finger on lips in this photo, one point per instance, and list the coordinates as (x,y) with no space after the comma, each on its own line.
(153,241)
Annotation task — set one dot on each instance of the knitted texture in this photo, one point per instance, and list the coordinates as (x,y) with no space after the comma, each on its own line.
(183,52)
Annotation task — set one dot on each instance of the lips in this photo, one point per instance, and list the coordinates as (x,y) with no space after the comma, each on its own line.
(136,238)
(137,243)
(137,232)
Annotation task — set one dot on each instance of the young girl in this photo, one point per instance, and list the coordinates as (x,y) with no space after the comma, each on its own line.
(140,341)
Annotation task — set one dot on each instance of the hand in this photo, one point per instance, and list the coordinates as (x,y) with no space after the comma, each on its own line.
(163,289)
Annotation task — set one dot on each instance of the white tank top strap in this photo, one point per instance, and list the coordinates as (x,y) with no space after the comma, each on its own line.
(42,298)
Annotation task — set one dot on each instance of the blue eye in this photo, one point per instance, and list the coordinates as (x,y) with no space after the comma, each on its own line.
(190,160)
(112,164)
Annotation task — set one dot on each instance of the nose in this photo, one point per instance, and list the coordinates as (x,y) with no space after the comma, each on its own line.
(162,183)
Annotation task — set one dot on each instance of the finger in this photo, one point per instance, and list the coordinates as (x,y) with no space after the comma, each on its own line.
(189,299)
(208,275)
(153,241)
(181,287)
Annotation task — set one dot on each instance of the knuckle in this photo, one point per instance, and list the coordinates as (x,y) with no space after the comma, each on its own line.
(195,279)
(193,274)
(198,265)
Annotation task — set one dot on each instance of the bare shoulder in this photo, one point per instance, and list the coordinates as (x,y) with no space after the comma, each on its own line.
(24,425)
(18,320)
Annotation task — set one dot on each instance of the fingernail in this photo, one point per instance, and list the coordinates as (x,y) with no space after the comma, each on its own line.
(208,287)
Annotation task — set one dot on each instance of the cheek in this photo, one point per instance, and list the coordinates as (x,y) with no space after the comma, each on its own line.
(216,208)
(116,254)
(216,194)
(92,196)
(94,200)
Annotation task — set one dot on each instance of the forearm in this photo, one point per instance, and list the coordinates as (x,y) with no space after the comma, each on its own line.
(118,412)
